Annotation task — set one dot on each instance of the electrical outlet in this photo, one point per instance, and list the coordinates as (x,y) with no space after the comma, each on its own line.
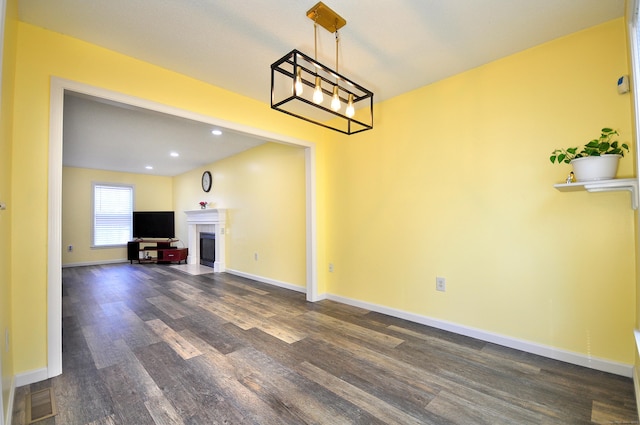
(70,248)
(255,256)
(330,267)
(441,284)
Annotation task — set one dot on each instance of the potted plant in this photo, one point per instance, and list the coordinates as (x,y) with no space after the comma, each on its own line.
(597,160)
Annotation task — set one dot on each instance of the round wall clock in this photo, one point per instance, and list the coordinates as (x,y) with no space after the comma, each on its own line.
(206,181)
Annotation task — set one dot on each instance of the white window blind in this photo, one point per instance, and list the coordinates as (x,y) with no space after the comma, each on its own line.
(112,211)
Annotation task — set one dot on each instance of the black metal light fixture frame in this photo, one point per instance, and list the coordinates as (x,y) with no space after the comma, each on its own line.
(295,77)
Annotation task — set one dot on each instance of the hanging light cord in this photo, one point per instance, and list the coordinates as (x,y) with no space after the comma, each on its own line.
(315,38)
(317,91)
(337,44)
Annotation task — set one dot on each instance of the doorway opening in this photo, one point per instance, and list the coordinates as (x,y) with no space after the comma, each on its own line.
(54,270)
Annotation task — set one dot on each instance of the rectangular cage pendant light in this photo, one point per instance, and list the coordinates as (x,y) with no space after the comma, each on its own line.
(304,88)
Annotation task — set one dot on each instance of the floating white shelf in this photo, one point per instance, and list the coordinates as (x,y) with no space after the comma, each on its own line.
(604,186)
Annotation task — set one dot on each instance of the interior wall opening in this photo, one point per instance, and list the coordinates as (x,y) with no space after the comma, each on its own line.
(54,268)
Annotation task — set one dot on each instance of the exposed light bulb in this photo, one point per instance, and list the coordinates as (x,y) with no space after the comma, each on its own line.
(350,112)
(298,84)
(317,93)
(335,101)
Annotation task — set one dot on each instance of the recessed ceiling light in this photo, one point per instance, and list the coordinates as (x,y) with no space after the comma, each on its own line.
(174,154)
(149,167)
(216,132)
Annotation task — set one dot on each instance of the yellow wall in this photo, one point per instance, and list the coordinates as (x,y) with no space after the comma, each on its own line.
(455,181)
(150,193)
(263,190)
(6,118)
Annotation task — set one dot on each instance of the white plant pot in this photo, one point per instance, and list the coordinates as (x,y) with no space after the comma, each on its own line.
(595,167)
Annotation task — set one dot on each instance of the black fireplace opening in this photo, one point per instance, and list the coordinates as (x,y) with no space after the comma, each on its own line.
(207,248)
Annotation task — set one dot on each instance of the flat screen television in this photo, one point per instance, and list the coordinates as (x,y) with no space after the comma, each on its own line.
(154,224)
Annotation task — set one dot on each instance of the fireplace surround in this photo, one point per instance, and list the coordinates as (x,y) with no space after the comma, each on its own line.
(210,220)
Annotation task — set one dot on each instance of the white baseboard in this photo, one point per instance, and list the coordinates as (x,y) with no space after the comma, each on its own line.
(579,359)
(321,297)
(518,344)
(31,377)
(8,416)
(20,380)
(267,280)
(95,263)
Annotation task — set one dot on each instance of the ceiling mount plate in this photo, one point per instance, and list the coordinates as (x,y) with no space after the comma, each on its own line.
(326,18)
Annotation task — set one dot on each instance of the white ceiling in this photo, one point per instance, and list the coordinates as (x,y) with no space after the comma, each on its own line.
(388,46)
(107,135)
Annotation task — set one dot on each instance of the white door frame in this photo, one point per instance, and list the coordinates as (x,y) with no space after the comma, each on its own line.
(54,270)
(3,14)
(633,35)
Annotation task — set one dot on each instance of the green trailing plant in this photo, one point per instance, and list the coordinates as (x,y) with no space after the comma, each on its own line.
(604,145)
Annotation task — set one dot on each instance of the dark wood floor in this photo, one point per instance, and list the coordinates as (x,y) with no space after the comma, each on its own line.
(147,344)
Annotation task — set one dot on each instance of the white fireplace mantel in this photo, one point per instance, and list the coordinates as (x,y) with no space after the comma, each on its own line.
(211,220)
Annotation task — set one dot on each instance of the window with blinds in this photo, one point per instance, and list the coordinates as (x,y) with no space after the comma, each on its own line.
(112,212)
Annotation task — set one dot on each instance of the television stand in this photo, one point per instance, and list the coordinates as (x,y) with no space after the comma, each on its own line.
(155,251)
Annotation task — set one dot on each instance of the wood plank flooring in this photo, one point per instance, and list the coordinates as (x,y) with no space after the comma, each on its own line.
(147,344)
